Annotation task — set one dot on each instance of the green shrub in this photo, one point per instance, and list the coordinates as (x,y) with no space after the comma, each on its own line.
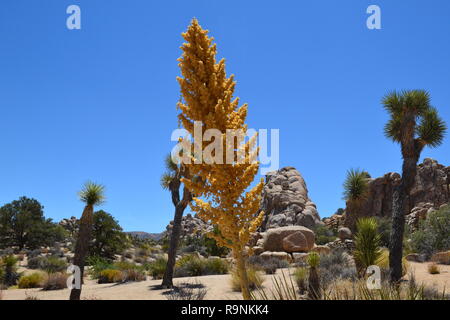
(49,264)
(54,264)
(34,280)
(55,281)
(193,266)
(9,274)
(255,279)
(97,265)
(433,233)
(157,268)
(367,243)
(110,276)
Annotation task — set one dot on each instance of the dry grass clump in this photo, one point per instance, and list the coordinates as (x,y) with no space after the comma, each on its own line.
(55,281)
(255,279)
(34,280)
(433,269)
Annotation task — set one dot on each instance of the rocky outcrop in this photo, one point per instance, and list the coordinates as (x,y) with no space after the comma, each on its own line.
(285,201)
(190,225)
(431,190)
(288,239)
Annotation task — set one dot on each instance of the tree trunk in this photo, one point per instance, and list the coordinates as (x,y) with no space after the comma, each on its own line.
(82,246)
(401,193)
(240,261)
(180,206)
(174,240)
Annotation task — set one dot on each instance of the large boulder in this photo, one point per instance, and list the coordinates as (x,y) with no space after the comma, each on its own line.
(344,233)
(298,237)
(285,201)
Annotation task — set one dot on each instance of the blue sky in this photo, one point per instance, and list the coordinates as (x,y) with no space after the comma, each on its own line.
(99,103)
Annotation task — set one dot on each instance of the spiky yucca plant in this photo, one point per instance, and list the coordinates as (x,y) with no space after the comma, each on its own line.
(367,244)
(92,195)
(313,260)
(356,191)
(414,124)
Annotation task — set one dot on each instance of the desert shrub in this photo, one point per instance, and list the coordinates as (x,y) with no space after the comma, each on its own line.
(55,281)
(34,280)
(193,266)
(255,278)
(268,265)
(217,266)
(324,235)
(9,274)
(157,268)
(133,275)
(49,264)
(367,243)
(433,234)
(98,264)
(335,266)
(54,264)
(301,278)
(433,269)
(35,262)
(204,245)
(110,276)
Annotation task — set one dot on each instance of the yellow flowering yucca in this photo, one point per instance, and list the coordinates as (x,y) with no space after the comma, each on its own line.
(208,98)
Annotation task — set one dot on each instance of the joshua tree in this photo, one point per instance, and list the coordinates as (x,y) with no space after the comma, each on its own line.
(171,180)
(92,194)
(356,190)
(414,124)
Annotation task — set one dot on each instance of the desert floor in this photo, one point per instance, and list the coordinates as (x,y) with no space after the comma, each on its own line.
(218,287)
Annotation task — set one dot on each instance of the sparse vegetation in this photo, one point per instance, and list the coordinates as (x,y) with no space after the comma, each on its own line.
(269,266)
(433,268)
(55,281)
(34,280)
(433,233)
(255,279)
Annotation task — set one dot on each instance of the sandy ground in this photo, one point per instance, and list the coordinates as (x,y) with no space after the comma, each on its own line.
(218,287)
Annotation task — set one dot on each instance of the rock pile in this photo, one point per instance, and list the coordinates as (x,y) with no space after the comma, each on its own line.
(285,201)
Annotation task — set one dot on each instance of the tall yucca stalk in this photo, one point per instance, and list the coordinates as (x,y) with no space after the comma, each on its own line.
(367,244)
(207,97)
(414,124)
(92,195)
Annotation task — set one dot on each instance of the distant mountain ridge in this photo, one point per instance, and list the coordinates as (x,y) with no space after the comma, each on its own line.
(145,235)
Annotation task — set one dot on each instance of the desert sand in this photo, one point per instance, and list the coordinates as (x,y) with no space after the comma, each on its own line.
(218,287)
